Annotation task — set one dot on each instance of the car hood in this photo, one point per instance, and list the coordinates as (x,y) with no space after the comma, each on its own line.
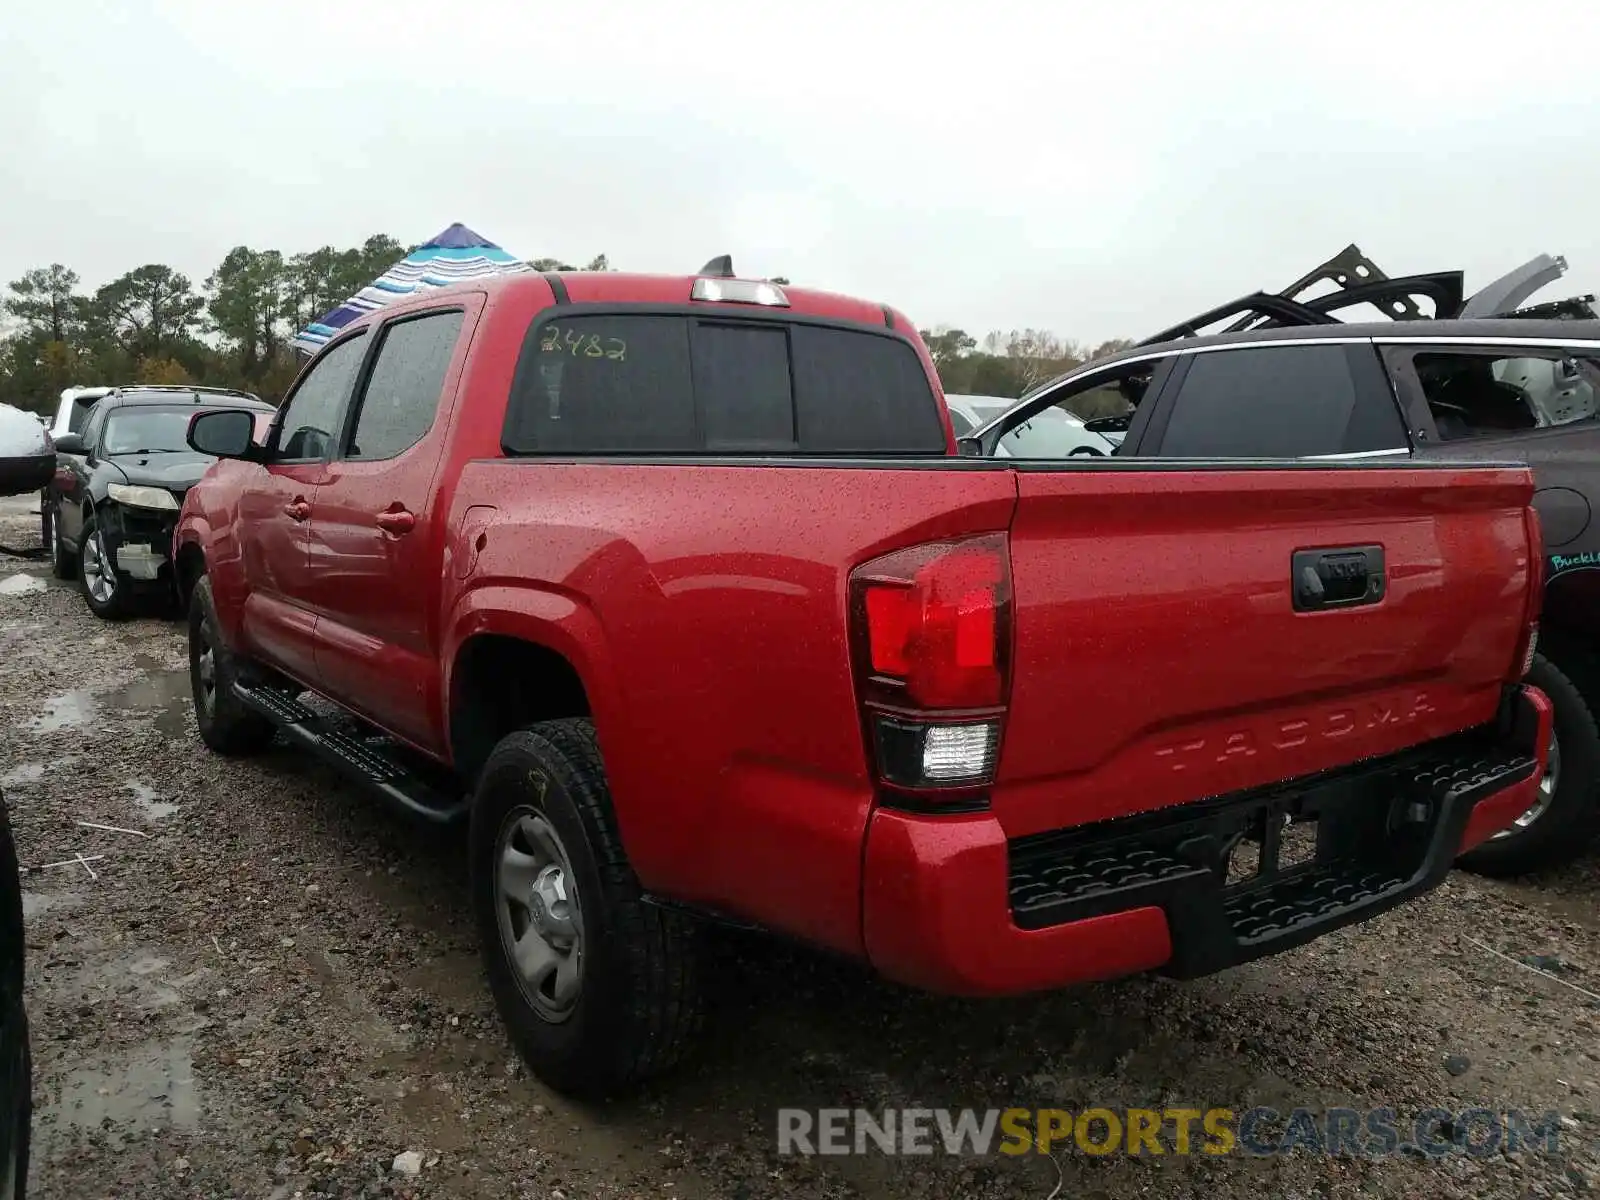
(173,471)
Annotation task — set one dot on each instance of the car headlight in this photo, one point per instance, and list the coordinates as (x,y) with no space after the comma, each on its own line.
(142,497)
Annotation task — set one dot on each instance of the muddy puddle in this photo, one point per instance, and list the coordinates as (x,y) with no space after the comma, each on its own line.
(164,692)
(152,1087)
(23,773)
(153,804)
(71,710)
(36,904)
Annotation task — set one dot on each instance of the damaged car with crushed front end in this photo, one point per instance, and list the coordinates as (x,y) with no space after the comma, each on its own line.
(118,486)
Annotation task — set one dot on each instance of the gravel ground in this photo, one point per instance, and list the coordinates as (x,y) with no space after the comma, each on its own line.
(276,992)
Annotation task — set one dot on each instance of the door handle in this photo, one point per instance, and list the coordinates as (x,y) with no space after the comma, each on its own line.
(298,509)
(1346,577)
(397,520)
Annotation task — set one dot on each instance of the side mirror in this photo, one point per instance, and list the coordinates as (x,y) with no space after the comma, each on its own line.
(969,447)
(71,443)
(224,433)
(1104,425)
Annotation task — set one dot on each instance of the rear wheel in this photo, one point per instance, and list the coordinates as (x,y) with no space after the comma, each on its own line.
(63,562)
(596,987)
(104,587)
(1563,819)
(225,724)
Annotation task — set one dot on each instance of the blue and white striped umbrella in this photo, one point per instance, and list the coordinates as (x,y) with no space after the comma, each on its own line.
(455,255)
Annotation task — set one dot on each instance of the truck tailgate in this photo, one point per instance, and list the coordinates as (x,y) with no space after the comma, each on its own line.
(1160,656)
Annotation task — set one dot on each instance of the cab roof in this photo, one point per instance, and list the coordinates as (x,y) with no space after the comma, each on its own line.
(539,290)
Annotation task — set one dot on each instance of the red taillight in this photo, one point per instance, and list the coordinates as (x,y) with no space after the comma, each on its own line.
(933,622)
(932,625)
(1528,644)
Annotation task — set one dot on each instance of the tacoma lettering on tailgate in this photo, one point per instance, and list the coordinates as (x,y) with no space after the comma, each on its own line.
(1285,735)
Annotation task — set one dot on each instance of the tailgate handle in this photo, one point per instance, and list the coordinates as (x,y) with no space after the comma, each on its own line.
(1339,577)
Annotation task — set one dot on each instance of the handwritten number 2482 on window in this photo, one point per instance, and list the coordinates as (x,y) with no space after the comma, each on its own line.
(580,345)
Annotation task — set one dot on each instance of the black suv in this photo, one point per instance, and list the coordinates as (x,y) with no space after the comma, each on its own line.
(119,484)
(1481,378)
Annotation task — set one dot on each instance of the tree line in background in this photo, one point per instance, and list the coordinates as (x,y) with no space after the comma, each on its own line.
(153,325)
(1008,364)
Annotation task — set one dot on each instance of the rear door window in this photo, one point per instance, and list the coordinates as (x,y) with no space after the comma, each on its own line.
(404,387)
(1477,393)
(645,383)
(1282,401)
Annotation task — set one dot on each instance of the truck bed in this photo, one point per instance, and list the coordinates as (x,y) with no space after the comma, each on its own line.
(1157,655)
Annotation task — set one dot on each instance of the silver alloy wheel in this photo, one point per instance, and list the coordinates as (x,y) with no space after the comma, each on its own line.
(206,669)
(1547,791)
(541,927)
(98,572)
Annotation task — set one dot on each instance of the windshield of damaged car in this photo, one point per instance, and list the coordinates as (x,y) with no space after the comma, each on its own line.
(147,431)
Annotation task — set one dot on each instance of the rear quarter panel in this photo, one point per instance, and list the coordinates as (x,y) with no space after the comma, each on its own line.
(706,606)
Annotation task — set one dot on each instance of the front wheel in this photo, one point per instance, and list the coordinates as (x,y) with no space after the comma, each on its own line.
(225,724)
(596,987)
(1563,819)
(104,587)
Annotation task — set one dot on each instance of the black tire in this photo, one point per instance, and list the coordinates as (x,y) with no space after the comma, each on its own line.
(1570,820)
(637,1008)
(24,1117)
(225,724)
(17,1108)
(116,606)
(63,562)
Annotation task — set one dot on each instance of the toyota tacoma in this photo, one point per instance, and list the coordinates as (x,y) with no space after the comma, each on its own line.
(675,590)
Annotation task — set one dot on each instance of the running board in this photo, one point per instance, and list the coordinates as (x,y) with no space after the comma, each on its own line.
(357,759)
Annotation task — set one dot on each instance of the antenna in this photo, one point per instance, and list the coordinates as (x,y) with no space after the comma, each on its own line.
(720,267)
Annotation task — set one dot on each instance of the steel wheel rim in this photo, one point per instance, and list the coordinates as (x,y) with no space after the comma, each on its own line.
(1548,782)
(97,570)
(540,917)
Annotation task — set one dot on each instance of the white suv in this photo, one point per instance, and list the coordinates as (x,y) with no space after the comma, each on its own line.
(73,409)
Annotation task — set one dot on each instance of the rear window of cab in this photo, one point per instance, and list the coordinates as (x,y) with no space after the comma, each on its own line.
(680,383)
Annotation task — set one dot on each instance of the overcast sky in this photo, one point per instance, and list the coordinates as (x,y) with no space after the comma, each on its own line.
(1098,170)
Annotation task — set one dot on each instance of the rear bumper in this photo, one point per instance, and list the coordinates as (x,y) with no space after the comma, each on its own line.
(952,905)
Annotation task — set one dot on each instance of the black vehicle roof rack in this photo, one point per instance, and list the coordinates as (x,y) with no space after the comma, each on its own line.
(197,390)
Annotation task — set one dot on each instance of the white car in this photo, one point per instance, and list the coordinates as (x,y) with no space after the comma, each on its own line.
(1052,433)
(73,409)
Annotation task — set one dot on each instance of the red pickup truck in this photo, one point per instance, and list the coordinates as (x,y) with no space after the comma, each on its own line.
(675,589)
